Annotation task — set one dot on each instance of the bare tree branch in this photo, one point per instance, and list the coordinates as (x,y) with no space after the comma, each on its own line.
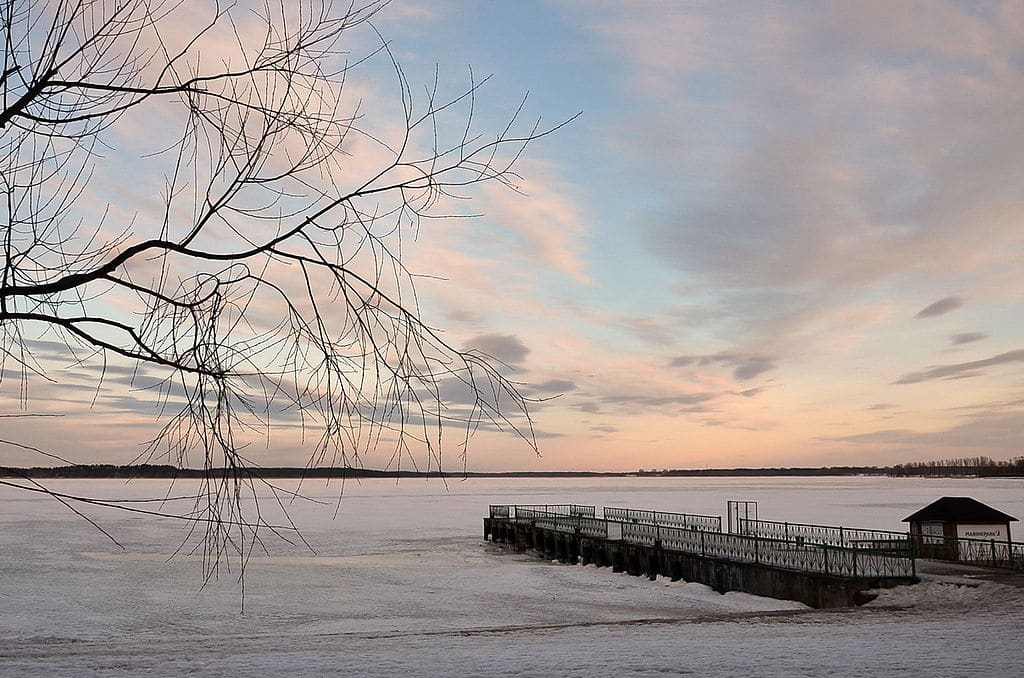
(266,279)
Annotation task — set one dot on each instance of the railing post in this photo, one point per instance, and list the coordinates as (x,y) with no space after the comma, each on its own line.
(842,541)
(786,530)
(825,549)
(757,551)
(854,559)
(702,552)
(993,552)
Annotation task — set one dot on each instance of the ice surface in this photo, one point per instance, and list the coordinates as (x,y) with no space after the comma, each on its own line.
(402,584)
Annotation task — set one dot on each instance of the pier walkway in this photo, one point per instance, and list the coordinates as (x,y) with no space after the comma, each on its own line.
(694,548)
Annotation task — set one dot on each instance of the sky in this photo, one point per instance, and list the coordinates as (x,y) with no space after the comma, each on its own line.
(779,233)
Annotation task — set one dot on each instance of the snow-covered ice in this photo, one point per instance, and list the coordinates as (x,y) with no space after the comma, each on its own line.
(402,584)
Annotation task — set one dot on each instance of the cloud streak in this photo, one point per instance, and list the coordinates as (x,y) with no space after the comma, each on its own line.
(745,366)
(998,434)
(507,348)
(547,224)
(940,307)
(966,338)
(961,370)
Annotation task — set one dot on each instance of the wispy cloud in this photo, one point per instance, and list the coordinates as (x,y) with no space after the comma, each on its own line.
(745,366)
(507,348)
(966,338)
(997,434)
(691,402)
(940,307)
(544,221)
(961,370)
(554,386)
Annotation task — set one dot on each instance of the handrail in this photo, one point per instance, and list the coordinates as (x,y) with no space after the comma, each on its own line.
(997,553)
(987,552)
(508,510)
(790,555)
(693,521)
(849,561)
(819,534)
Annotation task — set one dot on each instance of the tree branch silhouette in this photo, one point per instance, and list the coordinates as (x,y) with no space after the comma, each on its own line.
(266,280)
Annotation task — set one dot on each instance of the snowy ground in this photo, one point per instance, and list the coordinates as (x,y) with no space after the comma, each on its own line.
(402,584)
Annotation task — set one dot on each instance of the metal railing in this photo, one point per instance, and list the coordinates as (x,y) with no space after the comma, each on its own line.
(981,552)
(790,555)
(822,534)
(559,522)
(509,510)
(561,509)
(802,556)
(690,521)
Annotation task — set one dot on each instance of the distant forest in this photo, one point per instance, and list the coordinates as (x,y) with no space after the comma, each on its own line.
(168,471)
(964,467)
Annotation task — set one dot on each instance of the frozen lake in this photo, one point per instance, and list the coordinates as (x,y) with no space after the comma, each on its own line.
(402,584)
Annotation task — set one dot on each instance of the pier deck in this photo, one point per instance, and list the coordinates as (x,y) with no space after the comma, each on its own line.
(693,548)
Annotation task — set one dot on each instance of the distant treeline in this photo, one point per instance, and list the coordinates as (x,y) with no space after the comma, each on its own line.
(789,471)
(168,471)
(982,467)
(964,467)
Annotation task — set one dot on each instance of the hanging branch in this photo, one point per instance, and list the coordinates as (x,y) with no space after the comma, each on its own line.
(268,281)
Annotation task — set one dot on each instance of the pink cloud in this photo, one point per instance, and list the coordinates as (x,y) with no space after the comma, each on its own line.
(546,219)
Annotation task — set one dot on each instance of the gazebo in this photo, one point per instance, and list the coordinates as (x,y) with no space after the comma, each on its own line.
(949,527)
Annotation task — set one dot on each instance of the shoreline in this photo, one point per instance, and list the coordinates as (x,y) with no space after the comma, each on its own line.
(171,472)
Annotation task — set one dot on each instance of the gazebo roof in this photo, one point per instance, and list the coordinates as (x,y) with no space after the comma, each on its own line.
(961,510)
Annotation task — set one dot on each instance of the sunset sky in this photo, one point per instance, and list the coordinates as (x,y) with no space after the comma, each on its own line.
(779,234)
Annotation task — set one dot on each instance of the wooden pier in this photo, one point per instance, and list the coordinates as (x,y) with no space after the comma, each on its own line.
(693,548)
